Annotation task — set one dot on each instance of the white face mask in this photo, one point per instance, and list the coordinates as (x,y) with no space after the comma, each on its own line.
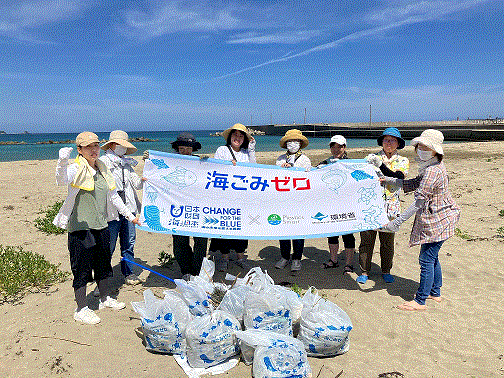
(293,146)
(120,150)
(424,155)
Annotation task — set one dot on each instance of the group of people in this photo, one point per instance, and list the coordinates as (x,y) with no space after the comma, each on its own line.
(102,206)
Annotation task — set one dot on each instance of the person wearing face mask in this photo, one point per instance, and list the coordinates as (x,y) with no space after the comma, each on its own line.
(189,259)
(91,202)
(337,145)
(436,215)
(294,141)
(127,182)
(240,147)
(387,162)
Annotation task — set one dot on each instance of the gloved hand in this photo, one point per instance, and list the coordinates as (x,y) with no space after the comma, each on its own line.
(374,159)
(394,225)
(64,153)
(252,144)
(145,155)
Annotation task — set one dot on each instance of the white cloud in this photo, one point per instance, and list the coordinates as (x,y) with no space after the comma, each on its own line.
(387,19)
(176,16)
(18,19)
(288,37)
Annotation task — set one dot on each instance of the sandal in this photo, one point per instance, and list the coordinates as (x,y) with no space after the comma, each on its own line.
(330,264)
(348,269)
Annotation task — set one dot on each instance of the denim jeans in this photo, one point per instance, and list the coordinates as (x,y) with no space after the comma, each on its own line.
(127,236)
(431,278)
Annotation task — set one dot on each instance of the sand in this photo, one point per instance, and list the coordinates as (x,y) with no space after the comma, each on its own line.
(460,337)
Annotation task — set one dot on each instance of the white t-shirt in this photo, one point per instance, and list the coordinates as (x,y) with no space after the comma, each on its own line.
(243,156)
(303,161)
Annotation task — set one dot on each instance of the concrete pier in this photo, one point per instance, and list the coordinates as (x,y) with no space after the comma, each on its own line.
(465,130)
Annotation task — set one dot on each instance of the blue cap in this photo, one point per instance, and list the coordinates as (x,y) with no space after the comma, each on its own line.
(392,131)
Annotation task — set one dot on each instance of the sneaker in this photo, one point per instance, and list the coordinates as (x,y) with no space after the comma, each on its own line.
(132,279)
(296,265)
(96,291)
(388,278)
(222,265)
(242,263)
(281,263)
(86,315)
(362,279)
(111,303)
(186,277)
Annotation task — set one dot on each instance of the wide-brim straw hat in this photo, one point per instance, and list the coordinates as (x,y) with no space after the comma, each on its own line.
(294,134)
(237,126)
(120,137)
(392,131)
(188,140)
(431,138)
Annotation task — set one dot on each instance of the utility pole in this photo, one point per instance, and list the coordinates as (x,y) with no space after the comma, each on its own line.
(369,115)
(251,120)
(305,116)
(271,118)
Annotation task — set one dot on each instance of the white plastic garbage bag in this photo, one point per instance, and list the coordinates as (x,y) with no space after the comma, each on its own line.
(274,355)
(211,339)
(234,301)
(164,321)
(267,311)
(324,327)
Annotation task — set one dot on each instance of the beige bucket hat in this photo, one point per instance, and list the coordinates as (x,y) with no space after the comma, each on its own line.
(430,138)
(86,138)
(237,126)
(294,134)
(120,137)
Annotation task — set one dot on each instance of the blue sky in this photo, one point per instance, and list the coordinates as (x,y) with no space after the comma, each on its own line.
(186,65)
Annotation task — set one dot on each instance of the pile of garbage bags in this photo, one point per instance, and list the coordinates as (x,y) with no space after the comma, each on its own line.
(273,329)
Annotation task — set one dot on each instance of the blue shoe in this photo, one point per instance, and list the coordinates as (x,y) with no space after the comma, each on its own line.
(362,279)
(388,278)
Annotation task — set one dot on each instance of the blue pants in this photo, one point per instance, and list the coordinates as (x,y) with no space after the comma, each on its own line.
(127,236)
(431,278)
(297,247)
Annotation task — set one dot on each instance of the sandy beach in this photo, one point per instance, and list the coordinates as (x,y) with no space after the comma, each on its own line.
(460,337)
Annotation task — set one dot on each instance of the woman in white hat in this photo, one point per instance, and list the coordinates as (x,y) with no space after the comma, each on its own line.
(127,182)
(436,214)
(91,202)
(239,147)
(294,141)
(337,144)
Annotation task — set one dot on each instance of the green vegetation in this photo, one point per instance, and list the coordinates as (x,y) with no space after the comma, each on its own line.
(23,271)
(45,224)
(501,213)
(500,231)
(462,234)
(165,259)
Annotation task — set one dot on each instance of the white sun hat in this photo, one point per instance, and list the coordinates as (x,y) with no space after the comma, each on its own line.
(432,139)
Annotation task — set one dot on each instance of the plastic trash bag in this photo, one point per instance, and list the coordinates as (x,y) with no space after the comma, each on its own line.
(267,311)
(164,322)
(324,327)
(211,339)
(234,301)
(274,355)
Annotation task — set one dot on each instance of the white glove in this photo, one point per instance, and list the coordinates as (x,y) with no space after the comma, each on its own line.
(252,144)
(64,153)
(394,225)
(386,180)
(374,159)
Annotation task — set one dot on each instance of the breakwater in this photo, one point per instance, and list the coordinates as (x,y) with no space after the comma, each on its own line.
(461,130)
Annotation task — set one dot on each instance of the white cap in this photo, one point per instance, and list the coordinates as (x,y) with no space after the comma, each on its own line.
(340,139)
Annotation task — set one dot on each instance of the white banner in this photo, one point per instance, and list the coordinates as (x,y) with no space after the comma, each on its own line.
(187,195)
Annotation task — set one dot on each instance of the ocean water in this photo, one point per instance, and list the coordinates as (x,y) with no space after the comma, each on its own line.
(33,151)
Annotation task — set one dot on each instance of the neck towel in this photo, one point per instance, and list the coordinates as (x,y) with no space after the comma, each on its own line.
(84,177)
